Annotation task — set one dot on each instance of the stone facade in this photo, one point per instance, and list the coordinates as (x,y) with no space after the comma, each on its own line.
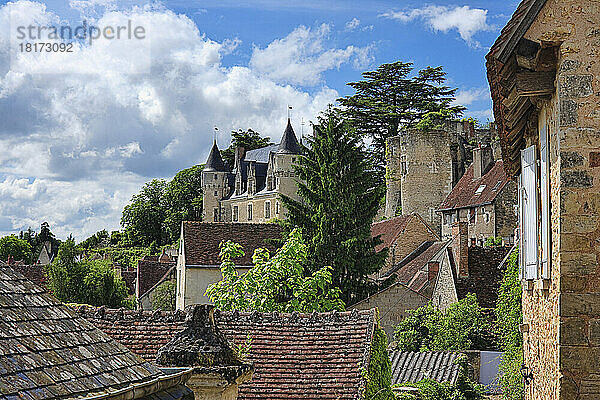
(392,304)
(561,307)
(251,191)
(423,167)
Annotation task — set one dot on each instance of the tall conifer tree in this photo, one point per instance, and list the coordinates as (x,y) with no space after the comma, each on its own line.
(340,194)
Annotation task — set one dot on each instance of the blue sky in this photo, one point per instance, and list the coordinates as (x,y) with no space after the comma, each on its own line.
(82,134)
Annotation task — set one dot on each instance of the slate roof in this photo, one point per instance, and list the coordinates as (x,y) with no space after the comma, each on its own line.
(215,161)
(412,270)
(295,356)
(410,367)
(465,193)
(289,144)
(201,240)
(261,155)
(48,352)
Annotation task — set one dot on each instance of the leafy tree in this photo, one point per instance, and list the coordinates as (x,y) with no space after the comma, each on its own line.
(509,316)
(248,139)
(275,283)
(340,194)
(164,296)
(19,249)
(144,218)
(183,199)
(98,239)
(388,100)
(463,326)
(90,282)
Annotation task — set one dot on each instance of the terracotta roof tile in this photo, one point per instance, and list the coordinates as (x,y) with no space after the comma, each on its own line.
(202,240)
(149,273)
(466,194)
(389,230)
(295,356)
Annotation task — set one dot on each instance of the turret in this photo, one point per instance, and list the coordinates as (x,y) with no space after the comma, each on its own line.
(214,185)
(283,174)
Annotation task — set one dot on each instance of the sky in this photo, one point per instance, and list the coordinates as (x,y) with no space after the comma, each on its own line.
(81,132)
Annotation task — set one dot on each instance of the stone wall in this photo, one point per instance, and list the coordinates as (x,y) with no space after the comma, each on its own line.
(392,304)
(444,292)
(562,347)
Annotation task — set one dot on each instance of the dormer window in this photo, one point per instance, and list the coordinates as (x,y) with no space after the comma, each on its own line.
(497,186)
(480,190)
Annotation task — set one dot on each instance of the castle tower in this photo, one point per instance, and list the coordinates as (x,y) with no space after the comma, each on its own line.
(214,185)
(283,177)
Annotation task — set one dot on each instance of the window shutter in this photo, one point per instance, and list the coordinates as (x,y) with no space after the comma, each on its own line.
(521,192)
(545,201)
(530,212)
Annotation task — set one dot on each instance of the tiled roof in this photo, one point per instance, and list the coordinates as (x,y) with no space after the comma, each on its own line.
(466,194)
(514,30)
(389,230)
(149,273)
(48,352)
(202,240)
(289,143)
(35,273)
(412,271)
(295,356)
(215,161)
(410,367)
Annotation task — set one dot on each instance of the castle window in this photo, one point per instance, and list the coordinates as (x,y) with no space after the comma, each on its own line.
(216,193)
(277,208)
(216,214)
(267,210)
(215,177)
(235,213)
(250,212)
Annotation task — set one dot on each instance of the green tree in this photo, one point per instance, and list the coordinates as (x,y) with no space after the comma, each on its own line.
(183,199)
(164,296)
(275,283)
(388,100)
(340,194)
(144,218)
(248,139)
(98,239)
(379,374)
(509,316)
(90,282)
(462,326)
(19,249)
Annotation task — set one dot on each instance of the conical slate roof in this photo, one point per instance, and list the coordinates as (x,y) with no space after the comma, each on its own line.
(289,143)
(214,161)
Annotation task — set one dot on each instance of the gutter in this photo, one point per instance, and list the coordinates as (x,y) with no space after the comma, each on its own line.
(464,207)
(140,390)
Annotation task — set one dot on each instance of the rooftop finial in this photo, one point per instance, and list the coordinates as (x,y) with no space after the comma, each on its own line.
(216,130)
(289,111)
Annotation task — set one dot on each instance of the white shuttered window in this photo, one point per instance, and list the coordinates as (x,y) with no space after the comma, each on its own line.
(529,211)
(545,199)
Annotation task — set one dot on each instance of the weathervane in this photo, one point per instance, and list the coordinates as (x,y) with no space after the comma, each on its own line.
(289,111)
(216,131)
(301,129)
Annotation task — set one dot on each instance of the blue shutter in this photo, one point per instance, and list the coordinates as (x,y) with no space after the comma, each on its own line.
(530,212)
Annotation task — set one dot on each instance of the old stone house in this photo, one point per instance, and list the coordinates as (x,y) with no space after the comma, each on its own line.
(199,263)
(468,268)
(152,271)
(544,74)
(401,236)
(250,192)
(294,355)
(485,198)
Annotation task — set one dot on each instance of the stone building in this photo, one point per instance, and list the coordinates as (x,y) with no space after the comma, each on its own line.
(423,167)
(544,74)
(250,192)
(485,198)
(401,236)
(199,263)
(294,355)
(152,271)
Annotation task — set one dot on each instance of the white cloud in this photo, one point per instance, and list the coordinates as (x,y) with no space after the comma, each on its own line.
(465,97)
(352,24)
(302,56)
(466,20)
(482,115)
(77,146)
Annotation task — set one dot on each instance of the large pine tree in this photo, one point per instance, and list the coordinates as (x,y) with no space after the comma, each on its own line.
(340,194)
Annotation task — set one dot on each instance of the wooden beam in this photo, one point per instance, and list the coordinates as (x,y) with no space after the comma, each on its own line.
(535,83)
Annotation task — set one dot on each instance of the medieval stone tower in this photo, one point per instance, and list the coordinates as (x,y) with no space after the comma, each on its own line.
(423,167)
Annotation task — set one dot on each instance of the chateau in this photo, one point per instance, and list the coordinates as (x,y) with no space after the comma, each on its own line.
(250,192)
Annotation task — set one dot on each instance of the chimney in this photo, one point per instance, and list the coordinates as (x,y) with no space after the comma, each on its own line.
(433,268)
(460,247)
(240,152)
(483,159)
